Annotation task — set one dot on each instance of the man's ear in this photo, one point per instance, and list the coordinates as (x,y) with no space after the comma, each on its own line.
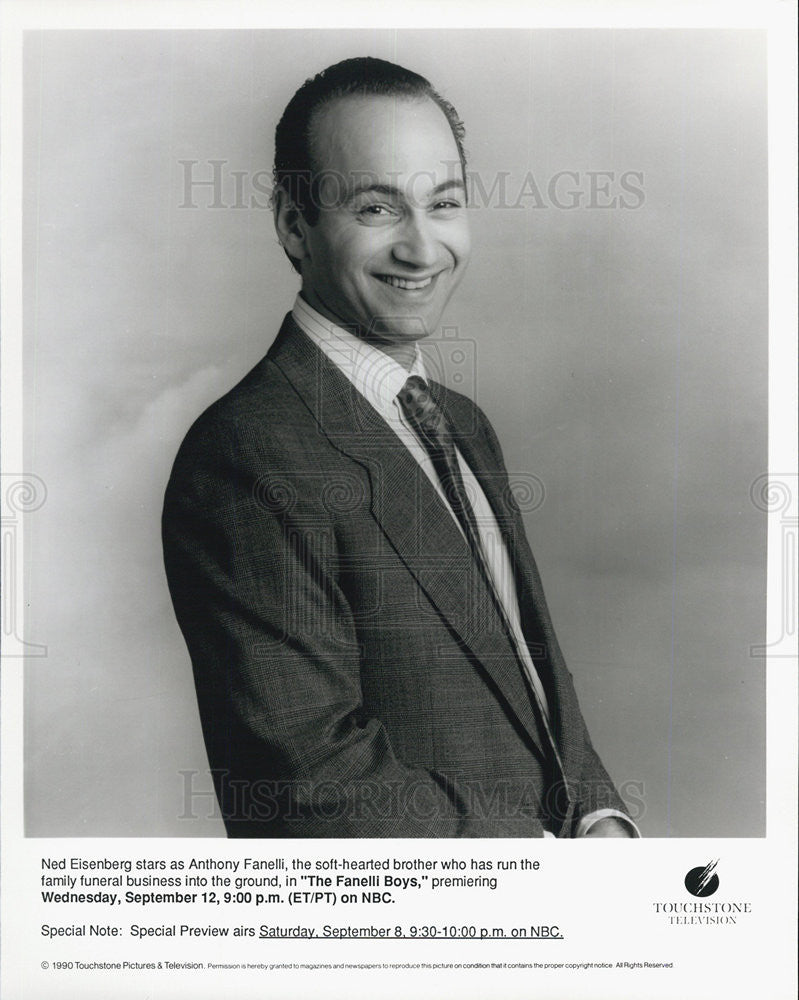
(290,225)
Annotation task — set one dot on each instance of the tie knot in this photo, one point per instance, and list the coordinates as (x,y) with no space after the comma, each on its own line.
(420,408)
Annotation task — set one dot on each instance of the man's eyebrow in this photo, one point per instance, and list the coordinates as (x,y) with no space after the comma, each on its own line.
(392,191)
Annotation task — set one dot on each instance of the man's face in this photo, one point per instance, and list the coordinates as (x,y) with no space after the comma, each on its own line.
(392,240)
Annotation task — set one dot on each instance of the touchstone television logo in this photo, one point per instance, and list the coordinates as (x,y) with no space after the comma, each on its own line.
(702,881)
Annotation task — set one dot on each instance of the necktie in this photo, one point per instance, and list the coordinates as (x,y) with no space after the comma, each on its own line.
(430,423)
(428,420)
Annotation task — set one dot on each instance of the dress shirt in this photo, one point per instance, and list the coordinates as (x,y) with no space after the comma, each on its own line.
(379,379)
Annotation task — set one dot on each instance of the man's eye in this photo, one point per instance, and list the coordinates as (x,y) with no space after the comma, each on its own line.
(376,211)
(442,206)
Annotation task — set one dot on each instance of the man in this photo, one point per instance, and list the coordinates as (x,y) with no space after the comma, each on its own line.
(371,647)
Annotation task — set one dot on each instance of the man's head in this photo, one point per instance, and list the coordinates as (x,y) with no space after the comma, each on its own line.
(370,200)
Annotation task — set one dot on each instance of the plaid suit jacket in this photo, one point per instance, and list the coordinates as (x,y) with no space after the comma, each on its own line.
(352,675)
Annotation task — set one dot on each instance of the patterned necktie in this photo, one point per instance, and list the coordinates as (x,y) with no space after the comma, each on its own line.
(430,423)
(428,420)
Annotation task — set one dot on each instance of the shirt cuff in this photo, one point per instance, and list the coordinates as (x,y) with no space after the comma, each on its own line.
(588,821)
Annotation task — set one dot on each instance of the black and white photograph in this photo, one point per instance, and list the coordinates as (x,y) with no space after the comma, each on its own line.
(600,368)
(395,482)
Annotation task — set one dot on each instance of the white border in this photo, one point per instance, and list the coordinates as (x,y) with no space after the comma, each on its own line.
(776,853)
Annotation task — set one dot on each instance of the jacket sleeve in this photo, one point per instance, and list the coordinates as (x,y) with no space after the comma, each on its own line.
(250,560)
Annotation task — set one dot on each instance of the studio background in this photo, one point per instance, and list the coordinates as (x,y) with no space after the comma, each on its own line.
(621,354)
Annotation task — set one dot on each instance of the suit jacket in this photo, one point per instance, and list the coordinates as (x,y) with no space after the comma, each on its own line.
(352,674)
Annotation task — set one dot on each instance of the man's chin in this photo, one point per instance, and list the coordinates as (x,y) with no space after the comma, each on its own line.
(400,330)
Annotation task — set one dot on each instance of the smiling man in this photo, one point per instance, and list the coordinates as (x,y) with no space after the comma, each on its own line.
(390,241)
(371,647)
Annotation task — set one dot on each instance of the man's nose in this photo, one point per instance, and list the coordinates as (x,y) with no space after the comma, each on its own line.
(416,244)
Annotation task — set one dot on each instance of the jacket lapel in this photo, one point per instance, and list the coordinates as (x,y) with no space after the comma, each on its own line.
(489,470)
(411,514)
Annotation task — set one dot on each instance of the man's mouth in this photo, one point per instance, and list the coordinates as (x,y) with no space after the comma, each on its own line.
(406,283)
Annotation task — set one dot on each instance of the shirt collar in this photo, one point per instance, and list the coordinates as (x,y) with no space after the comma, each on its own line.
(374,374)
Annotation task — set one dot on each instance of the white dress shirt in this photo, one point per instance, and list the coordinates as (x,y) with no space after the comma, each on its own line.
(379,379)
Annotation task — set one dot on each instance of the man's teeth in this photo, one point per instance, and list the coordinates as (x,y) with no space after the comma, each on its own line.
(404,282)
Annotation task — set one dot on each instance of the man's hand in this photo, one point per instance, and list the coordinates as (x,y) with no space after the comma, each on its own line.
(608,827)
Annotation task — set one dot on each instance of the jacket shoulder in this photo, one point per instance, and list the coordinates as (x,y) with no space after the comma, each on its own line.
(261,413)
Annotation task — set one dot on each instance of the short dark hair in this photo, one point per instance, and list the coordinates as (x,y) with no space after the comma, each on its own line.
(364,76)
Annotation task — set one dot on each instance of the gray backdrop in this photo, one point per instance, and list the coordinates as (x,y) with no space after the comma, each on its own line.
(621,353)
